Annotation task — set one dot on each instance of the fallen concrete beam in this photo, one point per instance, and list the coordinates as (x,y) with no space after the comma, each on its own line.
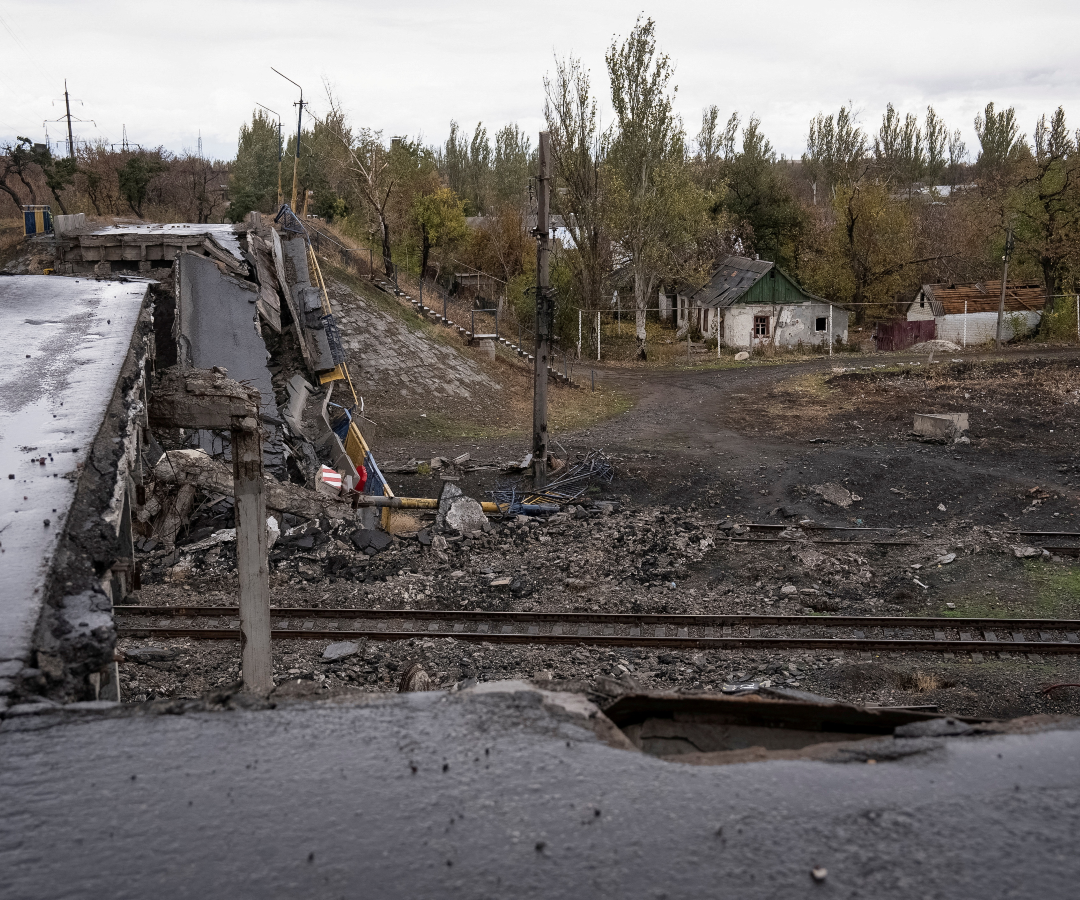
(200,398)
(196,467)
(940,426)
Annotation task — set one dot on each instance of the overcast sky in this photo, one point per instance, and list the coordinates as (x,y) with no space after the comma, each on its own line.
(170,70)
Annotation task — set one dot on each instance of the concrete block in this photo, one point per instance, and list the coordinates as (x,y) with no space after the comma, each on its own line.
(940,426)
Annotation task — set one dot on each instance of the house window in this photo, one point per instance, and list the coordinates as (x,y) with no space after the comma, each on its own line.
(822,324)
(761,326)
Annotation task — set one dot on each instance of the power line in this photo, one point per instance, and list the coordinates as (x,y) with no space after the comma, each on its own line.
(14,37)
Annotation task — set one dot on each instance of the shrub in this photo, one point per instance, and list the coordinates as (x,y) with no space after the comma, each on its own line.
(1060,325)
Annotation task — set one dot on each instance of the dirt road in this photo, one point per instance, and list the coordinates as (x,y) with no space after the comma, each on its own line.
(753,439)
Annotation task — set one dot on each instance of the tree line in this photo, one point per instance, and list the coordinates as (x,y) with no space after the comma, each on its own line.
(147,184)
(862,217)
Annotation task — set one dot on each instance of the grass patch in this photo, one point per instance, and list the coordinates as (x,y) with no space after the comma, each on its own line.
(578,409)
(1057,589)
(439,425)
(11,237)
(1048,592)
(568,411)
(803,399)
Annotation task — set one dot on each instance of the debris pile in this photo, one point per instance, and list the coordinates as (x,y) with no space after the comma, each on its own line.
(562,490)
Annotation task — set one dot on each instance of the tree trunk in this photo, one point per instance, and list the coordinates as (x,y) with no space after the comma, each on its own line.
(641,302)
(425,251)
(12,195)
(388,263)
(29,187)
(1052,281)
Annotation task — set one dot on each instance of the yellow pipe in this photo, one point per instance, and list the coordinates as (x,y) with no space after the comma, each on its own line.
(491,509)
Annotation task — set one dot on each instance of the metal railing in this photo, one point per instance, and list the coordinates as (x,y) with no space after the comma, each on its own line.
(323,242)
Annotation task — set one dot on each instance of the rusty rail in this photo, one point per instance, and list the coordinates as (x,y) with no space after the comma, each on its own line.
(576,628)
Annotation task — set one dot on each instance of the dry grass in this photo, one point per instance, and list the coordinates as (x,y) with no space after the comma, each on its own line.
(506,413)
(1012,394)
(402,522)
(11,240)
(802,400)
(921,682)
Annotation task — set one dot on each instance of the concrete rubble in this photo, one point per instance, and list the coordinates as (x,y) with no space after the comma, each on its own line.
(941,426)
(225,302)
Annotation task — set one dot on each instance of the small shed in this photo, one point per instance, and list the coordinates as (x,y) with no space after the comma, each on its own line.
(751,302)
(967,313)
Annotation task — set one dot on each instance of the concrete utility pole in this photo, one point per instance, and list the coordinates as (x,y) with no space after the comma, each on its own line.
(208,399)
(299,122)
(67,107)
(1004,280)
(251,562)
(545,320)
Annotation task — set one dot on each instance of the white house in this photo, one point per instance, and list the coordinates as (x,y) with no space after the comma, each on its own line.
(752,302)
(967,313)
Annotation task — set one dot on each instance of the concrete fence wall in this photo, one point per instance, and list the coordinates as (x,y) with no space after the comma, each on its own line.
(982,327)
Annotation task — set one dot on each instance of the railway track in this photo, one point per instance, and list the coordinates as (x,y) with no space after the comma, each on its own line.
(739,632)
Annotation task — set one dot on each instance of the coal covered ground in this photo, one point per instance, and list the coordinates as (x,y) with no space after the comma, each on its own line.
(697,452)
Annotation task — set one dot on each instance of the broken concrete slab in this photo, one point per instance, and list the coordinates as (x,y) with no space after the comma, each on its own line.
(736,821)
(466,515)
(73,361)
(200,399)
(340,650)
(150,654)
(217,324)
(293,413)
(149,245)
(196,467)
(306,304)
(835,494)
(449,493)
(278,251)
(940,426)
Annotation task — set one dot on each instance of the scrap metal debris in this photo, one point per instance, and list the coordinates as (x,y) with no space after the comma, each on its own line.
(571,485)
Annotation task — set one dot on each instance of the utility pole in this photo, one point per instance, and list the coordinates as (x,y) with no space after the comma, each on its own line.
(544,320)
(69,118)
(1004,280)
(299,122)
(67,106)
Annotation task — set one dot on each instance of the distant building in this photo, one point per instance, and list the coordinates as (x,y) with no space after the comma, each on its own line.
(967,313)
(752,302)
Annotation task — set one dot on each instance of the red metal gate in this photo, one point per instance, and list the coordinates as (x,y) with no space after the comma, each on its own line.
(901,335)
